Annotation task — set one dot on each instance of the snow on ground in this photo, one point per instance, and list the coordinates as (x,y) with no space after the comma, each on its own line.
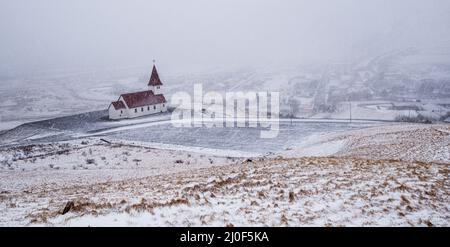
(87,162)
(274,192)
(32,98)
(404,142)
(382,109)
(411,142)
(9,125)
(393,175)
(315,145)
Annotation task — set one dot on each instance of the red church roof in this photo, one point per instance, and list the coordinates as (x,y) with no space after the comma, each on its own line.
(154,78)
(118,105)
(143,98)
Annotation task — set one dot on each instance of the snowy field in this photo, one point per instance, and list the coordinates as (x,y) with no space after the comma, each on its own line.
(410,142)
(131,184)
(281,192)
(158,129)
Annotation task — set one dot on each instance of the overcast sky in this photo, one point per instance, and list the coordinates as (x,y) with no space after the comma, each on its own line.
(75,34)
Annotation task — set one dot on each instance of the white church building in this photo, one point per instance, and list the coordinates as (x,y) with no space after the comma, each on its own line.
(131,105)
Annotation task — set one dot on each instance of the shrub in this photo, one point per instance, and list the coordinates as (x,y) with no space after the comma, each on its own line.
(90,161)
(419,118)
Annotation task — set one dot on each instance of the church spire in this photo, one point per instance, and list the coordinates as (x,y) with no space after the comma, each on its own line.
(154,78)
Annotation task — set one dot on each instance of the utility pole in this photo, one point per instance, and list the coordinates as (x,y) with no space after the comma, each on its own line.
(350,104)
(290,112)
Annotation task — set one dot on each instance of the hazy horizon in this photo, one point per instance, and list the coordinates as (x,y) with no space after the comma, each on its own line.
(51,35)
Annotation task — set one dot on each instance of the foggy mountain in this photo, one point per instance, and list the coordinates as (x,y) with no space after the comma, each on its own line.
(51,36)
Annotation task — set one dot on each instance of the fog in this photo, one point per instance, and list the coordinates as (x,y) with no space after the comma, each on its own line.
(50,35)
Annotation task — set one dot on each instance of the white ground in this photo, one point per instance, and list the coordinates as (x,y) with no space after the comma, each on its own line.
(409,142)
(385,176)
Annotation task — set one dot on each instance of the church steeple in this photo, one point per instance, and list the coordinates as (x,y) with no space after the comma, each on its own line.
(155,83)
(154,78)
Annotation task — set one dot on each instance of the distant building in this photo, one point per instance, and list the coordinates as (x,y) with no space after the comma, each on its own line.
(131,105)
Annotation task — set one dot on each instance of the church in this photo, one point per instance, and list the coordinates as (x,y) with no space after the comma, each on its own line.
(132,105)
